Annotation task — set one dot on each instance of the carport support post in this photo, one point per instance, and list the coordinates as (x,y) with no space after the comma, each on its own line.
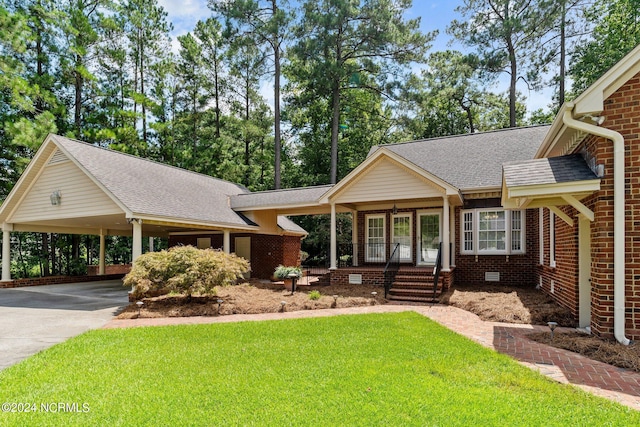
(6,251)
(354,237)
(102,252)
(333,243)
(137,239)
(226,241)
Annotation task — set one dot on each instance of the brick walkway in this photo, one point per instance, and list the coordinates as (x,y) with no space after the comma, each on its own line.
(619,385)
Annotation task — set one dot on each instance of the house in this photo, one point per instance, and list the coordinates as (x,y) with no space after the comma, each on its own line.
(555,206)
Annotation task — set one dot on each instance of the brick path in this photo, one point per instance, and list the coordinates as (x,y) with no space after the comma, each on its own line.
(619,385)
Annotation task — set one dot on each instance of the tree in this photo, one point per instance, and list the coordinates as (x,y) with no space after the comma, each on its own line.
(343,44)
(266,22)
(507,34)
(616,32)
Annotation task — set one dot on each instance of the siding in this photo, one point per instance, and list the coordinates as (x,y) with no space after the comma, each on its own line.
(386,180)
(81,197)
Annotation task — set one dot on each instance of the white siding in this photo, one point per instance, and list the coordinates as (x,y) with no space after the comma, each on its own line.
(81,197)
(386,180)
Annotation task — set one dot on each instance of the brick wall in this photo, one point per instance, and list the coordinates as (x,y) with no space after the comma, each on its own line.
(267,251)
(515,270)
(55,280)
(92,270)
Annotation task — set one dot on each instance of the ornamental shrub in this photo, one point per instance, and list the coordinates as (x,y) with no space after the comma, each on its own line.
(185,270)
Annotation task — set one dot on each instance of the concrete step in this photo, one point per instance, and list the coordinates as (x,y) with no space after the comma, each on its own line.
(412,299)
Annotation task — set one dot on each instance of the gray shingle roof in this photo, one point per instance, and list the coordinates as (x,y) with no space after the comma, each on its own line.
(150,188)
(554,170)
(288,225)
(279,197)
(472,161)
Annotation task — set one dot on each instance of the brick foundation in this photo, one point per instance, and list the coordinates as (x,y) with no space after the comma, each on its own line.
(92,270)
(55,280)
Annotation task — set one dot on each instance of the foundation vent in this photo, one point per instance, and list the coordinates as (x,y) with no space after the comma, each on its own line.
(492,276)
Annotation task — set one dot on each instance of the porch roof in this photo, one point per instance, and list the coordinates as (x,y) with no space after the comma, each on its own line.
(549,182)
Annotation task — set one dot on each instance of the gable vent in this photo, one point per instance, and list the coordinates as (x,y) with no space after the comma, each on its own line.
(492,276)
(58,157)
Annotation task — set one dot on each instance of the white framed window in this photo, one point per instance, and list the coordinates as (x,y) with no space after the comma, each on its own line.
(492,232)
(375,248)
(401,234)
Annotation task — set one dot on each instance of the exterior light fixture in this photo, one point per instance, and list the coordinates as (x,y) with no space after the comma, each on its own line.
(282,304)
(139,304)
(219,301)
(395,209)
(552,326)
(373,299)
(598,120)
(55,197)
(335,301)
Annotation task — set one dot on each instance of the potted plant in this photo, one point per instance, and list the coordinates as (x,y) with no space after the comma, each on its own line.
(287,273)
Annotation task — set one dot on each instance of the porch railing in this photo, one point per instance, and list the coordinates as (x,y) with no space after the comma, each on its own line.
(436,270)
(350,254)
(390,270)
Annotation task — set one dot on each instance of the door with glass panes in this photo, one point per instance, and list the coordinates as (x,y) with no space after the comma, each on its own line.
(428,237)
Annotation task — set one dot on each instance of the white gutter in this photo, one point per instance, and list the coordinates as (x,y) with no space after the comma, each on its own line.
(618,215)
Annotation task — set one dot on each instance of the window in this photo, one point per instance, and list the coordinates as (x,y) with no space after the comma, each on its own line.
(375,248)
(492,231)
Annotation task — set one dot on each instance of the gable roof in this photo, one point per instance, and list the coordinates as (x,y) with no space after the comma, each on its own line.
(472,161)
(145,187)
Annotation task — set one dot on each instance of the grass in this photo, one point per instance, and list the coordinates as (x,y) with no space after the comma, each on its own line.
(378,369)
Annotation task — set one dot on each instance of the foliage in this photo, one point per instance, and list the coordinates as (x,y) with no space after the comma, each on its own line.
(185,270)
(284,272)
(315,295)
(376,369)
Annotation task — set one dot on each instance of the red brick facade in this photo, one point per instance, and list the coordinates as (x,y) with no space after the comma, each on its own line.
(267,251)
(622,112)
(56,280)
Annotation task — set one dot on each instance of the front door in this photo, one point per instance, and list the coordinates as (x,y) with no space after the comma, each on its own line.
(428,237)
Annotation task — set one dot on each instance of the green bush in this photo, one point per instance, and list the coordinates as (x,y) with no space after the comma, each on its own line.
(314,295)
(283,271)
(184,270)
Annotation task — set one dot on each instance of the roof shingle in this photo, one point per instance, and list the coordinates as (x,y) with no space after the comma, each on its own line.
(554,170)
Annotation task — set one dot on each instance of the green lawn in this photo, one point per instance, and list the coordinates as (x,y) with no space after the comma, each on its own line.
(383,369)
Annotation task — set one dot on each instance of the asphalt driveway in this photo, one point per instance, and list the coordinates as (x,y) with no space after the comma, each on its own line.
(35,318)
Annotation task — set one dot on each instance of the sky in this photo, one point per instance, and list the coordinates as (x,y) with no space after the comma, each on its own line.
(434,15)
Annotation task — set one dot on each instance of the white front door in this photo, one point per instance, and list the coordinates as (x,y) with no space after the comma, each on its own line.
(428,237)
(401,236)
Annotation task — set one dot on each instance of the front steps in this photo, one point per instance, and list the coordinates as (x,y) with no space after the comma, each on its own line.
(414,286)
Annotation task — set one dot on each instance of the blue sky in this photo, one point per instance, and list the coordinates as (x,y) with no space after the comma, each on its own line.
(434,15)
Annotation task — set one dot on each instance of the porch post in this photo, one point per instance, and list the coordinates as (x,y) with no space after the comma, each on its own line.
(137,239)
(354,236)
(226,241)
(452,228)
(150,244)
(334,251)
(101,254)
(6,252)
(445,234)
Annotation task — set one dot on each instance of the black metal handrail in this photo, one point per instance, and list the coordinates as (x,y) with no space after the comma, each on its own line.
(436,270)
(390,270)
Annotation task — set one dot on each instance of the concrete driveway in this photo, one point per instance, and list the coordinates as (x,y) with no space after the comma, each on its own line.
(35,318)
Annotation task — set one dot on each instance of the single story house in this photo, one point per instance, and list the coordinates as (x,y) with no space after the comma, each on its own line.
(556,206)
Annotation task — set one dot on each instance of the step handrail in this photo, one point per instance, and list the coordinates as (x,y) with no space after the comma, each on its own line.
(436,271)
(390,270)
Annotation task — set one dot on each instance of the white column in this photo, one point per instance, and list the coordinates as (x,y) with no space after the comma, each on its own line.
(334,249)
(354,236)
(452,229)
(101,254)
(445,234)
(6,252)
(150,244)
(137,239)
(226,242)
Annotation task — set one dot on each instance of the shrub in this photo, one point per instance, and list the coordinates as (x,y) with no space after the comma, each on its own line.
(184,270)
(314,295)
(283,272)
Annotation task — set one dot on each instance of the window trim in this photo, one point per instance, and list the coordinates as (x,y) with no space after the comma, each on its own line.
(475,221)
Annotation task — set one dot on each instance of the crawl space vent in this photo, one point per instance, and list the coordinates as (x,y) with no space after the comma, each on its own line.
(492,276)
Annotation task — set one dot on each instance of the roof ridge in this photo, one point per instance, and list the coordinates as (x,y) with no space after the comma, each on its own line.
(435,138)
(241,187)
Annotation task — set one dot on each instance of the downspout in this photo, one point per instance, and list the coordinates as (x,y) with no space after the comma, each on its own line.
(618,215)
